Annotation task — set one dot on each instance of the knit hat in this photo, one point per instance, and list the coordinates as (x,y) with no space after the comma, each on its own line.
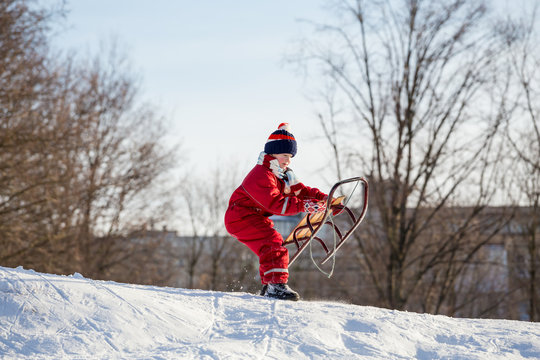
(281,141)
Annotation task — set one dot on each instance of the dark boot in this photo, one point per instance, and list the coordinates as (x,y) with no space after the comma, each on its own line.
(280,291)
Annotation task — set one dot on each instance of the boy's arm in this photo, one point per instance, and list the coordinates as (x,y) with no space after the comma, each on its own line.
(265,191)
(302,191)
(313,193)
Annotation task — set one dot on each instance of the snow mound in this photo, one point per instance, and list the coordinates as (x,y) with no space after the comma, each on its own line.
(46,316)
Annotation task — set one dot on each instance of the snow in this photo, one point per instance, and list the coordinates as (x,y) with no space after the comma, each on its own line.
(45,316)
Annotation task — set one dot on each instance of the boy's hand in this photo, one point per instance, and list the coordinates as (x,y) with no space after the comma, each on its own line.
(336,209)
(312,207)
(292,182)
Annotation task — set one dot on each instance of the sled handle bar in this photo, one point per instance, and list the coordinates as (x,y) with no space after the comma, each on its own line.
(327,213)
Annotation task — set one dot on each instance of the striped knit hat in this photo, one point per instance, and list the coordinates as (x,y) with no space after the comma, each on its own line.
(281,141)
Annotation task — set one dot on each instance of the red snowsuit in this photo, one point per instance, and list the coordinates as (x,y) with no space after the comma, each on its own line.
(247,218)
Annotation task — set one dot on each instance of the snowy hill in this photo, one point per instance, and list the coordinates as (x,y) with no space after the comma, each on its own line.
(70,317)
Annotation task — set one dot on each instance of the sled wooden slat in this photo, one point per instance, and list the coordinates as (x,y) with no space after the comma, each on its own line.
(303,230)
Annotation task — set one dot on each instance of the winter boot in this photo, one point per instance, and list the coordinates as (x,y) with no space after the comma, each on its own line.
(280,291)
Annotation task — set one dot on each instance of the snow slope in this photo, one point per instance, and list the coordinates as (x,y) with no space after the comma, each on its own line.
(46,316)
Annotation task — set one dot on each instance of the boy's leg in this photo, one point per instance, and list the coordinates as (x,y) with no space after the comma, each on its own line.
(274,260)
(265,241)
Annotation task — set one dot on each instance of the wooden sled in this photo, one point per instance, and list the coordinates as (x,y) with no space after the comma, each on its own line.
(309,227)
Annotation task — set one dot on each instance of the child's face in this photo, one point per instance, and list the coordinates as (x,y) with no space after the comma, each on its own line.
(283,159)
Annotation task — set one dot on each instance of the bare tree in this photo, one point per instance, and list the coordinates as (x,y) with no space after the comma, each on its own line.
(415,77)
(120,156)
(212,250)
(216,199)
(80,156)
(523,133)
(25,91)
(195,210)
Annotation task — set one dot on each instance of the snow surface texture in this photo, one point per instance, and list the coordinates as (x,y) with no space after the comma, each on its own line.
(71,317)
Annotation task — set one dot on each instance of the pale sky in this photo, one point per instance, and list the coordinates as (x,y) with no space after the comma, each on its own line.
(216,70)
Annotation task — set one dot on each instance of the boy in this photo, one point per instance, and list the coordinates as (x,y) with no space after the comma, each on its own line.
(271,188)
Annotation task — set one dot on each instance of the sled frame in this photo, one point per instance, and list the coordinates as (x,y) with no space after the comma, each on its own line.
(310,225)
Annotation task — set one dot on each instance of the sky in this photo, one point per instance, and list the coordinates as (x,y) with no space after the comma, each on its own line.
(216,70)
(45,316)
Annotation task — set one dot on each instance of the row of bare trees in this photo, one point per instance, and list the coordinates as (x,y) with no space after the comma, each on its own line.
(523,135)
(433,101)
(80,155)
(436,102)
